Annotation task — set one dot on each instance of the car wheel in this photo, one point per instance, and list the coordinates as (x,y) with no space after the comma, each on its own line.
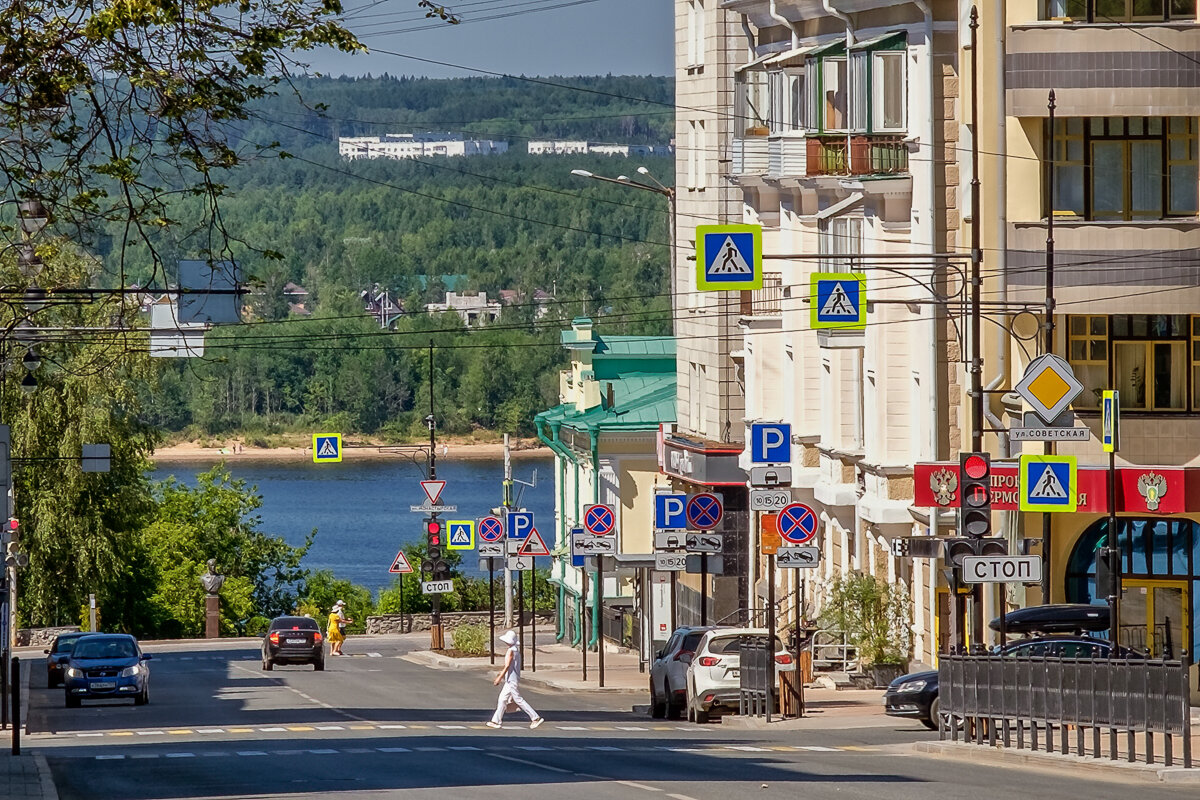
(701,717)
(658,708)
(143,697)
(319,665)
(51,681)
(935,711)
(73,702)
(674,709)
(267,664)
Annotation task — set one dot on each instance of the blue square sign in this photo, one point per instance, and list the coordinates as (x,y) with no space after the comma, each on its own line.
(838,300)
(770,443)
(670,511)
(728,257)
(1048,483)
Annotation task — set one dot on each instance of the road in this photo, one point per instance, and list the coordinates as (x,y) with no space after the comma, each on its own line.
(375,725)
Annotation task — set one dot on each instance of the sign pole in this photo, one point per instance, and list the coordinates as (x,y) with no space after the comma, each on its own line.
(771,631)
(600,605)
(583,620)
(674,616)
(492,608)
(1111,437)
(521,611)
(703,589)
(533,616)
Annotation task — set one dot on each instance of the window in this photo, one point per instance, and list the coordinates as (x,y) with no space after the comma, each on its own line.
(1144,356)
(1195,356)
(888,92)
(786,90)
(695,33)
(835,88)
(701,151)
(693,154)
(859,98)
(1125,168)
(840,236)
(1103,11)
(751,103)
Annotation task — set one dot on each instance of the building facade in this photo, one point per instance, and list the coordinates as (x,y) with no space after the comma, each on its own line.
(417,145)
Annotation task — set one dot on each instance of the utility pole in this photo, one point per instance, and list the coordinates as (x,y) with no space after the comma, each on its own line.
(976,367)
(508,503)
(1048,447)
(437,636)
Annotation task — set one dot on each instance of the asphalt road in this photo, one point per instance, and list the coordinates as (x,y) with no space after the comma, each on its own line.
(374,725)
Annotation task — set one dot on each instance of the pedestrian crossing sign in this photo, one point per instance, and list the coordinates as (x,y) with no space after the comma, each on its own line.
(838,300)
(1048,483)
(728,257)
(327,447)
(460,534)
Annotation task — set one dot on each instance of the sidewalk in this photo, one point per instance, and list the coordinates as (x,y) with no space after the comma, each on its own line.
(27,776)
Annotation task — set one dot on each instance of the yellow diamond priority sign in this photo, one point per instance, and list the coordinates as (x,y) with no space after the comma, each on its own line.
(1049,386)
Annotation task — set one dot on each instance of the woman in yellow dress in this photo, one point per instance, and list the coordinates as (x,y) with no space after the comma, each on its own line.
(333,631)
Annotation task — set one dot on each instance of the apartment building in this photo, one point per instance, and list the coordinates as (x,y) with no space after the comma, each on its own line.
(417,145)
(560,147)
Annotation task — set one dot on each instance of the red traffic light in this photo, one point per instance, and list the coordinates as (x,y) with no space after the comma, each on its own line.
(13,523)
(432,526)
(975,466)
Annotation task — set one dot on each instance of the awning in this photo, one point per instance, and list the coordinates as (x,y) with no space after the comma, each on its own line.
(881,41)
(833,47)
(790,58)
(755,64)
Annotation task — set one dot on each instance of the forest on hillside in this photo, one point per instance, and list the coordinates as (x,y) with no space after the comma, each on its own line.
(414,228)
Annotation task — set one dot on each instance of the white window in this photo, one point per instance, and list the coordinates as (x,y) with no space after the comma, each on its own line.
(693,154)
(889,93)
(701,151)
(695,393)
(751,103)
(698,32)
(776,88)
(840,236)
(692,24)
(858,91)
(835,87)
(796,101)
(786,89)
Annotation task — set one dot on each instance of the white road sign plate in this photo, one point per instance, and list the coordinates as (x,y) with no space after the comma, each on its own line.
(586,545)
(520,563)
(427,509)
(437,587)
(797,557)
(1050,434)
(668,540)
(670,562)
(704,543)
(1002,569)
(770,476)
(769,499)
(495,549)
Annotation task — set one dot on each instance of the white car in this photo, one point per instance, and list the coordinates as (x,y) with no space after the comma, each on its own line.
(714,676)
(668,673)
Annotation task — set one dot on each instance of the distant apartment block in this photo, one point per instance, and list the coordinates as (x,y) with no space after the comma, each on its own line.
(474,309)
(416,145)
(567,147)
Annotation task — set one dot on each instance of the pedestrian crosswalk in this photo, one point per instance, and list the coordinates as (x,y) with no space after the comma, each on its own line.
(364,726)
(707,749)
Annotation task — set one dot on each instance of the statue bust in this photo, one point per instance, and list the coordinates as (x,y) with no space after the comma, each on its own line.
(211,580)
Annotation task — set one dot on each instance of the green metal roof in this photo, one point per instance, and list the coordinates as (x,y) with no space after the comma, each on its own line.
(642,401)
(627,346)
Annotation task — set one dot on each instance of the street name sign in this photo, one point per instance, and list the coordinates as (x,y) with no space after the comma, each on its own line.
(704,543)
(327,448)
(769,499)
(770,442)
(1048,483)
(1050,434)
(437,587)
(590,545)
(670,562)
(728,257)
(1002,569)
(668,540)
(838,300)
(428,509)
(798,557)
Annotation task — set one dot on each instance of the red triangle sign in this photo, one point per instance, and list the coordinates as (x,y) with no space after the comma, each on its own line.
(433,490)
(401,564)
(533,545)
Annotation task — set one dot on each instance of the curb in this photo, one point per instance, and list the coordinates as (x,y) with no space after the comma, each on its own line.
(1010,757)
(49,790)
(425,658)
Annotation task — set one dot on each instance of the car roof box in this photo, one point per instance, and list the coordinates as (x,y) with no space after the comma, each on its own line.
(1060,618)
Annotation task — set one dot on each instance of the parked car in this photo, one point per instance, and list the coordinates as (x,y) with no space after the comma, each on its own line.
(106,665)
(714,676)
(915,695)
(668,673)
(293,640)
(57,655)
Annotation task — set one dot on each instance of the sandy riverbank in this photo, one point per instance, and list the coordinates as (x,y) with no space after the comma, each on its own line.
(353,450)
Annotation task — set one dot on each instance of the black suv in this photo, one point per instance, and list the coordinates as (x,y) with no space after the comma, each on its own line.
(293,640)
(916,695)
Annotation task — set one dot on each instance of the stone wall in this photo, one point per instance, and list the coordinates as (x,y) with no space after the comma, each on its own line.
(407,623)
(41,637)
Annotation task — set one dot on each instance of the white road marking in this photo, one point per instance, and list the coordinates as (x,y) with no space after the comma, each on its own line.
(531,763)
(680,797)
(633,785)
(630,728)
(85,735)
(210,730)
(571,728)
(145,733)
(181,755)
(747,748)
(391,727)
(272,730)
(109,758)
(468,749)
(816,749)
(252,752)
(607,749)
(533,747)
(323,752)
(393,749)
(374,655)
(330,728)
(453,727)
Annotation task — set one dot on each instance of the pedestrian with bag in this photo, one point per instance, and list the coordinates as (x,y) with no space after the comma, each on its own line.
(336,629)
(509,679)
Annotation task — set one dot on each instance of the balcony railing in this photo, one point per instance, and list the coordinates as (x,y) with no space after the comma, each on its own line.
(750,156)
(861,155)
(767,301)
(787,157)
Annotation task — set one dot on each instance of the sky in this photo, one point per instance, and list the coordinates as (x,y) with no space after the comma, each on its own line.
(519,37)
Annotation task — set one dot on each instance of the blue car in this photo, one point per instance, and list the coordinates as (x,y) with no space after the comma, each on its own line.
(107,665)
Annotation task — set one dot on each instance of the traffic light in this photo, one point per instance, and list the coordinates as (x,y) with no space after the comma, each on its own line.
(975,510)
(1108,573)
(433,537)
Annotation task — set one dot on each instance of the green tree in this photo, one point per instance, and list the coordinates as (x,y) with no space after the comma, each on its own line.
(321,590)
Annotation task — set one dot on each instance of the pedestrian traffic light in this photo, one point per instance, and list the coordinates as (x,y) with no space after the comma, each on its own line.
(1108,573)
(975,510)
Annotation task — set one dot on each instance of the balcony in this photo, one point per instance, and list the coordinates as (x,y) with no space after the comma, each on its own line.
(767,301)
(862,155)
(787,157)
(750,156)
(1130,69)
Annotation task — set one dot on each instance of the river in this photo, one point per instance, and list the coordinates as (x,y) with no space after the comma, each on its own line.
(360,509)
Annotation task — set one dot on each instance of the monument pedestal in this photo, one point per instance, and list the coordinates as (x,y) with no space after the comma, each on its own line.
(212,617)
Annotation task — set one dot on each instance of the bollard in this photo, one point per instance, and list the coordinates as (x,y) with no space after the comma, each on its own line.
(15,687)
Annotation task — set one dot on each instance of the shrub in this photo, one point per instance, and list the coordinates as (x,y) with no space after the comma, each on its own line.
(471,639)
(874,614)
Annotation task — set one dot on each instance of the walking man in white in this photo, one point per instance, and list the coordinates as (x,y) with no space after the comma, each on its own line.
(510,692)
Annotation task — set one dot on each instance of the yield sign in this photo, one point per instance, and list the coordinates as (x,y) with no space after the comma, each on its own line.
(533,545)
(401,564)
(433,490)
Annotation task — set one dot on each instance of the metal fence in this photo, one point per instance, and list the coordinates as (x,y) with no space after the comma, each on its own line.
(756,677)
(622,626)
(990,698)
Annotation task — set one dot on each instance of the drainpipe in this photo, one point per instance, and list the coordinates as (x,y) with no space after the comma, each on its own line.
(833,12)
(597,621)
(1001,211)
(564,453)
(775,15)
(827,4)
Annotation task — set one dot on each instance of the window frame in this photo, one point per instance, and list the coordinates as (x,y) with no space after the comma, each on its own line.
(1131,338)
(1086,12)
(864,80)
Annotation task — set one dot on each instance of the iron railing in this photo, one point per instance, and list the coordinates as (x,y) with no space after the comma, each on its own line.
(622,626)
(992,697)
(756,676)
(858,155)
